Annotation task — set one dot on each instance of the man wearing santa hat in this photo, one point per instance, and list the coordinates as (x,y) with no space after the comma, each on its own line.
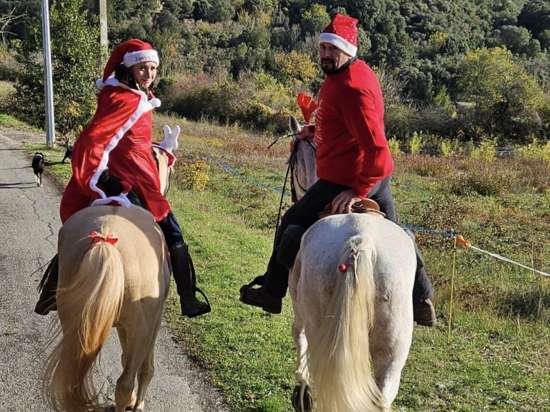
(113,157)
(353,162)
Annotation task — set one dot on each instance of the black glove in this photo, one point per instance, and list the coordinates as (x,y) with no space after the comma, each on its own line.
(110,184)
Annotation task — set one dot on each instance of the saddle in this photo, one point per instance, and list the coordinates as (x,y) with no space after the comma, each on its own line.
(361,206)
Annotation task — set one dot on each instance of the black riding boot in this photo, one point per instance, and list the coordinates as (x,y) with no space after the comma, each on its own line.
(186,282)
(48,289)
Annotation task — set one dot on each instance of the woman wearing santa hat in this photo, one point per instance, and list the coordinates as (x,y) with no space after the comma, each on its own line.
(353,163)
(113,156)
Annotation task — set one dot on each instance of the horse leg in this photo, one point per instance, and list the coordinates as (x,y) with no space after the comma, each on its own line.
(133,359)
(302,400)
(144,377)
(389,360)
(122,337)
(147,369)
(300,341)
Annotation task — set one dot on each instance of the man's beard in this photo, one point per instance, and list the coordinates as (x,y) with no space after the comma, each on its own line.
(328,66)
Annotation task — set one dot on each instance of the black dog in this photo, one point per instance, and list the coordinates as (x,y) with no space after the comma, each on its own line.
(68,151)
(38,167)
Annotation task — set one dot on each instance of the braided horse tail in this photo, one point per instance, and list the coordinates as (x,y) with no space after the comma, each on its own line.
(93,298)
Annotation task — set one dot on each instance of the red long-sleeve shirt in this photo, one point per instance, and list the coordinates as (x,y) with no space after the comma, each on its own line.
(352,148)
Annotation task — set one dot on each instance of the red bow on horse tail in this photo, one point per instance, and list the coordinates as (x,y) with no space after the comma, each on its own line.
(307,105)
(98,237)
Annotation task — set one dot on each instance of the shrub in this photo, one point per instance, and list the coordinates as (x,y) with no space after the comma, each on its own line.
(7,94)
(430,166)
(479,179)
(256,101)
(536,150)
(9,66)
(394,147)
(486,151)
(404,119)
(416,143)
(446,147)
(194,175)
(295,65)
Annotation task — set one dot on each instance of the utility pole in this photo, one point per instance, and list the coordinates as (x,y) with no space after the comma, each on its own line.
(103,33)
(48,81)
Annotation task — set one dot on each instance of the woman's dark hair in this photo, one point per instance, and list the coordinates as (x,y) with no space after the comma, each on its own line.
(124,75)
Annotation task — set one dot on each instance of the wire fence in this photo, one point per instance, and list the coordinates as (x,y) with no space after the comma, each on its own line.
(450,234)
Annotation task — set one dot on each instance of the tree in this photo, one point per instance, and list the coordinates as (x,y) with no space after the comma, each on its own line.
(516,39)
(315,19)
(75,57)
(506,97)
(535,16)
(6,21)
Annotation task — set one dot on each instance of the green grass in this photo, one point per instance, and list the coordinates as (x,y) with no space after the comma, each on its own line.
(496,357)
(10,121)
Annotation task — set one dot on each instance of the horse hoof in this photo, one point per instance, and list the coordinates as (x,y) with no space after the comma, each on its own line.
(302,400)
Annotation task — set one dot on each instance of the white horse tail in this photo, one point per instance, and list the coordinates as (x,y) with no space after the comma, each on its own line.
(89,306)
(340,362)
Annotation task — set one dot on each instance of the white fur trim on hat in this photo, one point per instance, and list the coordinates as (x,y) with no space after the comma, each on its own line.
(339,42)
(132,58)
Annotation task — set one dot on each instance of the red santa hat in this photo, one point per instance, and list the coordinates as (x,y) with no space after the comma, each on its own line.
(130,53)
(341,33)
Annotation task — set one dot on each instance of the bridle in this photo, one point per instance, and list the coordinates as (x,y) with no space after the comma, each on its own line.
(291,171)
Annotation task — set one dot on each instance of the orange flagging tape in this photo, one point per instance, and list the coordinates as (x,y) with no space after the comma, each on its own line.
(460,241)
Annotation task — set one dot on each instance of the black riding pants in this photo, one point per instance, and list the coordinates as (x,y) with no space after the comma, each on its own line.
(305,212)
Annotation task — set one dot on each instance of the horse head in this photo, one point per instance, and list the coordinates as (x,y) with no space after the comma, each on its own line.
(302,162)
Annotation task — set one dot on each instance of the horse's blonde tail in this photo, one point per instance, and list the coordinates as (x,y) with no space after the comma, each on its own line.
(88,307)
(339,355)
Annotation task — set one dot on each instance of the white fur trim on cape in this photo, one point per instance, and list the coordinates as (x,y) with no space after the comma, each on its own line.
(111,81)
(132,58)
(143,107)
(121,199)
(339,42)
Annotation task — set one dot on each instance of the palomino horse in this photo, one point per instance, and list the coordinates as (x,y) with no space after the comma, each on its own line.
(351,288)
(113,272)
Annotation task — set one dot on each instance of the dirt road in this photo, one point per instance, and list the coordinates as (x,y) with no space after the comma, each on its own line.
(29,224)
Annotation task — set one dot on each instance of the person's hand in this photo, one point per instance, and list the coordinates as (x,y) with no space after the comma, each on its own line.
(170,140)
(343,202)
(307,132)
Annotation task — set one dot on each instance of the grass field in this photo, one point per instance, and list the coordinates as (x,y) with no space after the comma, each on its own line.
(496,354)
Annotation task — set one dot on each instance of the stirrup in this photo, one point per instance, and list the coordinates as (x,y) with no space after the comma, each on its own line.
(202,308)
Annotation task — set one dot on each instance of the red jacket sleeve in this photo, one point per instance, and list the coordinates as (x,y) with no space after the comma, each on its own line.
(115,107)
(364,119)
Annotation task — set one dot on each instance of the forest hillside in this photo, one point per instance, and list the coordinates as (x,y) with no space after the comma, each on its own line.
(461,69)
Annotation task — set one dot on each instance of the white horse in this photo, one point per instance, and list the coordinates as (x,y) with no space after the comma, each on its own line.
(351,288)
(113,272)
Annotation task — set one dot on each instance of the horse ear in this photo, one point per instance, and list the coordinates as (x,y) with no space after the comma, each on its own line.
(294,125)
